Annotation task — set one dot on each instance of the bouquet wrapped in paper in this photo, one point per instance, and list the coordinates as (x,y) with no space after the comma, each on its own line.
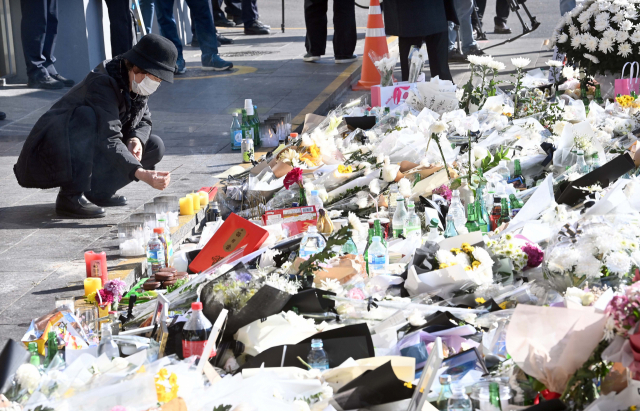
(385,65)
(416,61)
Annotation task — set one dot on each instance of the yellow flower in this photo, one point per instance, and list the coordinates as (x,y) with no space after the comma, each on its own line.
(408,385)
(480,300)
(633,408)
(173,379)
(163,373)
(443,265)
(476,264)
(91,298)
(314,151)
(466,245)
(468,268)
(503,305)
(342,169)
(455,250)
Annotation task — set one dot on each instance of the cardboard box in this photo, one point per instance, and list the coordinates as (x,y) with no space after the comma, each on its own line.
(391,96)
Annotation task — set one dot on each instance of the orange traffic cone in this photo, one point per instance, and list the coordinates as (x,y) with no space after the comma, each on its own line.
(375,40)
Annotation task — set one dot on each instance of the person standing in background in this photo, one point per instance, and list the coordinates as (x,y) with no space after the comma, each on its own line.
(464,9)
(38,30)
(344,26)
(421,21)
(500,20)
(123,31)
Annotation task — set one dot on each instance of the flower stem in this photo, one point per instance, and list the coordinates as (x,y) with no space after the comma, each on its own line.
(437,139)
(469,135)
(515,108)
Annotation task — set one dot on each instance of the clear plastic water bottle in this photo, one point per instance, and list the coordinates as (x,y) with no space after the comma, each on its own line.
(434,233)
(155,254)
(459,401)
(311,243)
(107,345)
(315,200)
(503,170)
(398,217)
(317,357)
(456,209)
(595,161)
(412,225)
(236,133)
(445,392)
(581,164)
(377,255)
(393,195)
(450,230)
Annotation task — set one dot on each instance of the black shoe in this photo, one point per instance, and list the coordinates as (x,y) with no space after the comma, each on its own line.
(194,42)
(455,56)
(346,59)
(256,27)
(106,200)
(2,116)
(224,22)
(310,58)
(65,81)
(474,50)
(77,206)
(502,28)
(225,41)
(45,82)
(236,19)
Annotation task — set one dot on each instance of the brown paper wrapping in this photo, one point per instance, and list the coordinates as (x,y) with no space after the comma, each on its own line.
(551,343)
(281,169)
(344,268)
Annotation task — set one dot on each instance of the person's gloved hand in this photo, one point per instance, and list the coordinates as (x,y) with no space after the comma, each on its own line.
(156,179)
(135,147)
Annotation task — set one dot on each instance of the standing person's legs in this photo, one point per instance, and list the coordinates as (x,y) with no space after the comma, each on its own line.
(233,8)
(147,8)
(437,49)
(344,29)
(167,23)
(249,11)
(464,8)
(315,18)
(121,20)
(33,30)
(404,46)
(482,5)
(502,14)
(50,36)
(206,33)
(453,36)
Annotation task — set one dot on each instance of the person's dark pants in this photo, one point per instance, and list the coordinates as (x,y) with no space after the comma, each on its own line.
(233,8)
(437,50)
(122,29)
(502,12)
(38,31)
(202,20)
(147,8)
(95,173)
(344,26)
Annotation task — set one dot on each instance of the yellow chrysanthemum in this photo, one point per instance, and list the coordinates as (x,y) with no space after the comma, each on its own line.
(456,250)
(443,265)
(476,264)
(480,300)
(173,379)
(91,298)
(314,151)
(466,245)
(468,268)
(163,373)
(342,169)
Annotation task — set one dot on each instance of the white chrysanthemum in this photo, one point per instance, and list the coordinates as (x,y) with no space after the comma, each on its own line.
(390,172)
(574,294)
(590,42)
(473,59)
(483,256)
(444,256)
(585,27)
(601,25)
(362,202)
(626,25)
(438,127)
(605,45)
(404,187)
(496,65)
(306,140)
(553,63)
(610,34)
(635,37)
(573,30)
(589,266)
(520,62)
(624,49)
(622,36)
(603,16)
(562,38)
(331,284)
(28,377)
(374,186)
(282,283)
(416,319)
(576,41)
(592,58)
(618,17)
(618,263)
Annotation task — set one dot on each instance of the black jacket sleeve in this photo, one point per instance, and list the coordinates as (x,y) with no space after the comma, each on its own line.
(104,97)
(143,130)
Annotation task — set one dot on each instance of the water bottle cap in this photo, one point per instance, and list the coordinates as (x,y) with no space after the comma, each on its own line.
(316,343)
(235,114)
(248,103)
(457,389)
(314,192)
(196,306)
(445,379)
(159,230)
(376,239)
(434,222)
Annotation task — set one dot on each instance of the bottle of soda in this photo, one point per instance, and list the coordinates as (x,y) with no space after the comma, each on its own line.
(196,333)
(247,130)
(236,133)
(155,254)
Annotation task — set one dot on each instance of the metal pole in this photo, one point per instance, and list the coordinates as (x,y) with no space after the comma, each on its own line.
(282,26)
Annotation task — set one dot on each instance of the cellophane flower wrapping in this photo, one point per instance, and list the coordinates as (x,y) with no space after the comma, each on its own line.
(385,65)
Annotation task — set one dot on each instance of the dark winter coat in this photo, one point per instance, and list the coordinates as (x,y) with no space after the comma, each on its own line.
(418,18)
(45,160)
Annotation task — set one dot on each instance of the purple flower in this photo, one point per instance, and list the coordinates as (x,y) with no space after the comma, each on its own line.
(105,297)
(244,277)
(535,255)
(116,287)
(444,191)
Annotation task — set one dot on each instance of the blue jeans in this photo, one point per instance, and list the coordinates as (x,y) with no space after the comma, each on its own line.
(464,9)
(147,8)
(205,30)
(566,6)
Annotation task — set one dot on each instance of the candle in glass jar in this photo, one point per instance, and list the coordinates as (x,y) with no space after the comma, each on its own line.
(186,206)
(90,257)
(91,285)
(204,198)
(196,201)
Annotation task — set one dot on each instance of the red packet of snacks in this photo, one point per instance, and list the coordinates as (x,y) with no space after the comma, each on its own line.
(233,234)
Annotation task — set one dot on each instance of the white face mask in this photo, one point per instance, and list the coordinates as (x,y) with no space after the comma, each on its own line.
(146,87)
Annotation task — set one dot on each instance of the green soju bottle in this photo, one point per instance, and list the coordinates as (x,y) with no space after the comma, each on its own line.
(472,224)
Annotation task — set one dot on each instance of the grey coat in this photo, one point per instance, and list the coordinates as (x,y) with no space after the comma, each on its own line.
(45,160)
(418,18)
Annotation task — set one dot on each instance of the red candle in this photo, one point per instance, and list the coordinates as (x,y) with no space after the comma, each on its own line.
(89,257)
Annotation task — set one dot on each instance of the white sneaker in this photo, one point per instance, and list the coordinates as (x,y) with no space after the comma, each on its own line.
(343,60)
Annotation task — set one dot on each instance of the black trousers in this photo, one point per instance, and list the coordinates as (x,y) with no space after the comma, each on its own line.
(38,30)
(344,23)
(502,11)
(122,28)
(247,9)
(91,170)
(437,49)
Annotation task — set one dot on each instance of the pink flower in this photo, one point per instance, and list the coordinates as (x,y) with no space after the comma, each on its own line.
(535,254)
(104,297)
(356,294)
(444,191)
(293,177)
(116,287)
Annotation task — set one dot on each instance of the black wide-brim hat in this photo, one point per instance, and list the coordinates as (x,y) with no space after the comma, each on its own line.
(156,55)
